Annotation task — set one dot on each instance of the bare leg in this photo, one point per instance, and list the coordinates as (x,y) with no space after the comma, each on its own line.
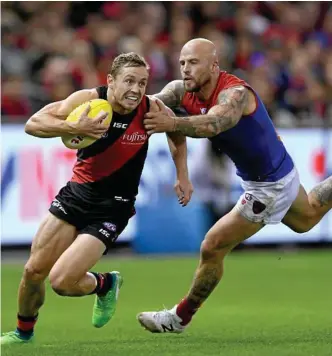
(70,276)
(228,232)
(320,198)
(307,210)
(53,237)
(233,229)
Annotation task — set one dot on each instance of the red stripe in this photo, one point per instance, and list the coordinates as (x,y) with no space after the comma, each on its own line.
(102,281)
(114,157)
(25,325)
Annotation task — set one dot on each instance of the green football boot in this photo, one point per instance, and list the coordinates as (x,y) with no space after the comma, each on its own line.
(105,305)
(13,337)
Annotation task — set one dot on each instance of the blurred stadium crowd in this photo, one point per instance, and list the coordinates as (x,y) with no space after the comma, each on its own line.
(283,49)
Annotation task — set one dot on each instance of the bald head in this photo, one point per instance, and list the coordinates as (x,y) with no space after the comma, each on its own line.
(201,47)
(198,64)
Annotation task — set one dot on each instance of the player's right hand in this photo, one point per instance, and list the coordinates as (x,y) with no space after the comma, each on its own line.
(184,190)
(94,128)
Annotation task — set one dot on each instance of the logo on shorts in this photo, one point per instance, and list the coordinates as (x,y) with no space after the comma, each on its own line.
(203,111)
(58,205)
(110,226)
(105,233)
(248,196)
(258,207)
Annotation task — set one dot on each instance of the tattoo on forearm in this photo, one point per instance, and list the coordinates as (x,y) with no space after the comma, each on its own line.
(205,282)
(172,94)
(202,126)
(220,118)
(323,192)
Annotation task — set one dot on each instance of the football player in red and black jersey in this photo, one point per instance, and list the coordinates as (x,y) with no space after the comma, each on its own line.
(92,210)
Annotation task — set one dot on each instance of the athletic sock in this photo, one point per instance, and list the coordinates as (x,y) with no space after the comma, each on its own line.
(104,283)
(186,310)
(25,326)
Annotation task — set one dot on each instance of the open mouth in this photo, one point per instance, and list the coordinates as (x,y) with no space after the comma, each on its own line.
(133,99)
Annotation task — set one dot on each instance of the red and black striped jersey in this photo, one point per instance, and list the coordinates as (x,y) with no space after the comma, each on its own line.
(112,166)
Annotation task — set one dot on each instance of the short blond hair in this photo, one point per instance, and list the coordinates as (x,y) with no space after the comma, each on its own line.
(131,59)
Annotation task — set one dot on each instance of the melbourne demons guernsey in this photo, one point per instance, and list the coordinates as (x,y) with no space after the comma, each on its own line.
(112,166)
(253,144)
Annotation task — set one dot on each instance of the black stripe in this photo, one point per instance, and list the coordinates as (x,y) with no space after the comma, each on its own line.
(147,104)
(102,92)
(113,134)
(123,182)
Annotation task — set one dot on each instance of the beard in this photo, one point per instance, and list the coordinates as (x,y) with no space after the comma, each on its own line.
(195,89)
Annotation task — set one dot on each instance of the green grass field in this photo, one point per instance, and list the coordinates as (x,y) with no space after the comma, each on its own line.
(271,304)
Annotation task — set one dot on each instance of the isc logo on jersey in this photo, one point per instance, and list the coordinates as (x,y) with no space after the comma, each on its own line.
(117,125)
(120,125)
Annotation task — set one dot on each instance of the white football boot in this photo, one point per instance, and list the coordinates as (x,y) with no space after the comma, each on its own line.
(165,321)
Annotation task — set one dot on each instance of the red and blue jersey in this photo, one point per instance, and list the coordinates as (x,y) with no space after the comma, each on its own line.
(253,144)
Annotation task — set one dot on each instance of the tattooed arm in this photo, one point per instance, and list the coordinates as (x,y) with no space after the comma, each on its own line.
(322,194)
(171,95)
(221,117)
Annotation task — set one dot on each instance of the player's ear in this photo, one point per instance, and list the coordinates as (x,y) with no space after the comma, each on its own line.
(215,66)
(110,81)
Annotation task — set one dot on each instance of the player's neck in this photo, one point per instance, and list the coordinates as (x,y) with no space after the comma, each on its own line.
(115,105)
(206,91)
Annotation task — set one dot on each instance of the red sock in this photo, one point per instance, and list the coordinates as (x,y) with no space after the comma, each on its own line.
(104,283)
(186,309)
(25,324)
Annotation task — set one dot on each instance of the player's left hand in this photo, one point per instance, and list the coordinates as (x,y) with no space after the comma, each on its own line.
(184,190)
(159,121)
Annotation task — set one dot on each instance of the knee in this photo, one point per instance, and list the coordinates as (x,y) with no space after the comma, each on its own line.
(212,248)
(33,272)
(59,283)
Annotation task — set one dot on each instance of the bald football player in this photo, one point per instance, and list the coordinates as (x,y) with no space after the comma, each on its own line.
(228,111)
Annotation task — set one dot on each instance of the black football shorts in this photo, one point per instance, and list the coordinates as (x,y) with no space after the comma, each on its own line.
(103,218)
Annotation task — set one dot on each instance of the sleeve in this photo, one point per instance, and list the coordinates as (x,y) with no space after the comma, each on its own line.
(102,92)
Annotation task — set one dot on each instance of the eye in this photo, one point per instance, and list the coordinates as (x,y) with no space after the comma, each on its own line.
(142,84)
(129,81)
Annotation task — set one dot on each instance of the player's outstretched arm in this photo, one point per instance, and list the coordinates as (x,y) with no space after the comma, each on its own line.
(50,120)
(178,147)
(221,117)
(172,94)
(176,140)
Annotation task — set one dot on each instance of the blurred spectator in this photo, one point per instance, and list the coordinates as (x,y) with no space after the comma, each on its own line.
(282,48)
(14,101)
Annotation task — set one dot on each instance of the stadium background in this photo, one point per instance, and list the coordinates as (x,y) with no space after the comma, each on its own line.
(52,49)
(284,50)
